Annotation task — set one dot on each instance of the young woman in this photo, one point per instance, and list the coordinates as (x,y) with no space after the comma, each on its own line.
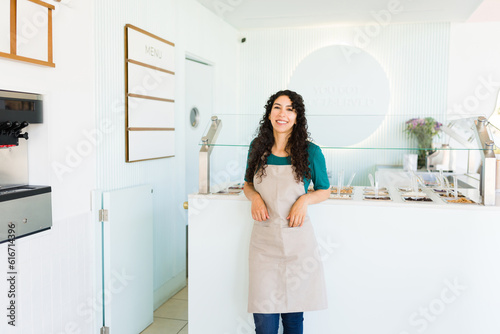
(286,273)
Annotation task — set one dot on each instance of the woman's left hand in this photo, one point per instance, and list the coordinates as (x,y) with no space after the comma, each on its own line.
(298,212)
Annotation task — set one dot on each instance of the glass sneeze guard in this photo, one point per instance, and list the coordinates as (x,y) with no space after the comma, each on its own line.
(350,144)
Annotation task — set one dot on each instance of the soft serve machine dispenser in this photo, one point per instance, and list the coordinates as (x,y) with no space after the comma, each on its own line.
(28,207)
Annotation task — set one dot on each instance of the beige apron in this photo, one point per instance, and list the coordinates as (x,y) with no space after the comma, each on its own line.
(286,273)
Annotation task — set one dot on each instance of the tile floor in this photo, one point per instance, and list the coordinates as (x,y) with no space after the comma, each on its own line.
(172,316)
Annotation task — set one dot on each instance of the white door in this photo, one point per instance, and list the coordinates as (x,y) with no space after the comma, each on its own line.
(199,95)
(127,245)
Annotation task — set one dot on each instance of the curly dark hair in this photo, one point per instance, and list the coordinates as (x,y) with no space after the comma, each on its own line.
(296,146)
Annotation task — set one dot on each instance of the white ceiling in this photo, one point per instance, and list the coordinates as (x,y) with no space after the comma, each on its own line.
(254,14)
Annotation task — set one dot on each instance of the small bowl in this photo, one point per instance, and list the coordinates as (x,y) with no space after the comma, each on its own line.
(372,193)
(344,190)
(461,200)
(373,189)
(407,189)
(377,198)
(416,199)
(342,196)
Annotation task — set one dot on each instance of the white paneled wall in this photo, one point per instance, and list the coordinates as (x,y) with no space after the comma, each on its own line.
(414,56)
(159,18)
(56,267)
(195,31)
(55,286)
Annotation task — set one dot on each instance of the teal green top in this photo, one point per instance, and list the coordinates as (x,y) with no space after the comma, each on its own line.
(317,164)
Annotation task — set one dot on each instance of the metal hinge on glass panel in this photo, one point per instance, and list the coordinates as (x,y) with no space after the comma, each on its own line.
(103,215)
(206,149)
(104,330)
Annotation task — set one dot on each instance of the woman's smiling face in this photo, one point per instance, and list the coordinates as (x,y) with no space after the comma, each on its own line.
(283,116)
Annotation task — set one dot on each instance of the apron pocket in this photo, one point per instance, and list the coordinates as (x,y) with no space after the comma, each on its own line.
(265,223)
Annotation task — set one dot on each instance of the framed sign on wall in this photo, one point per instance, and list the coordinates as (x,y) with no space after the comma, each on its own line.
(20,38)
(149,96)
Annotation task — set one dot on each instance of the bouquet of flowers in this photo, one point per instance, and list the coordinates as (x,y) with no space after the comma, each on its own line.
(424,130)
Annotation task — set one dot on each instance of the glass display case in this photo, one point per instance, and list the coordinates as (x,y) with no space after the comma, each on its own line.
(371,163)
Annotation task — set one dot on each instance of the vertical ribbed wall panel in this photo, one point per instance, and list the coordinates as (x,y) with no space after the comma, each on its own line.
(414,56)
(111,17)
(158,17)
(54,281)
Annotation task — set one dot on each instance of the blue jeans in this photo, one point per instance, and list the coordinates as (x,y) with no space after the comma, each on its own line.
(269,323)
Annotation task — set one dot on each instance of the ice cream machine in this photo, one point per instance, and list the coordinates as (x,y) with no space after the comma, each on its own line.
(25,206)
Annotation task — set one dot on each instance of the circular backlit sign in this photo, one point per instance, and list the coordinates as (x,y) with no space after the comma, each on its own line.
(346,92)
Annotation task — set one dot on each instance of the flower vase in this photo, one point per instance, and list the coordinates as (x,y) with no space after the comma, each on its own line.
(425,149)
(423,130)
(422,159)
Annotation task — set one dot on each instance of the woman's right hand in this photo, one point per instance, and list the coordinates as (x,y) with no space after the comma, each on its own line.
(259,208)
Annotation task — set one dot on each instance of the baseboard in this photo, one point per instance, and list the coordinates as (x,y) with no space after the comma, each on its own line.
(169,289)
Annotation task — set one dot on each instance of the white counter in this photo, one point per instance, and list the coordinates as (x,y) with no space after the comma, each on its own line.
(391,268)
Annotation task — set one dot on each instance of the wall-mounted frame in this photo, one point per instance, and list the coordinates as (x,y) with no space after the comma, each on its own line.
(16,7)
(149,96)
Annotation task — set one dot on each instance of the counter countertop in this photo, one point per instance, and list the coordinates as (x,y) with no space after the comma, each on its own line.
(397,200)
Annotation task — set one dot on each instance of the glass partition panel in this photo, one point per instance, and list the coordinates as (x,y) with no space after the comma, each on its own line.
(351,145)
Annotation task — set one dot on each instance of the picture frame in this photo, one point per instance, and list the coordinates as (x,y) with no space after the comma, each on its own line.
(17,40)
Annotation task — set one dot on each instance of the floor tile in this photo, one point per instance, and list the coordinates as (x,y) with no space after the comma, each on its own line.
(173,309)
(165,326)
(183,294)
(184,330)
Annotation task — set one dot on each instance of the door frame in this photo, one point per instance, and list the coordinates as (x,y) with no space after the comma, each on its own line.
(193,57)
